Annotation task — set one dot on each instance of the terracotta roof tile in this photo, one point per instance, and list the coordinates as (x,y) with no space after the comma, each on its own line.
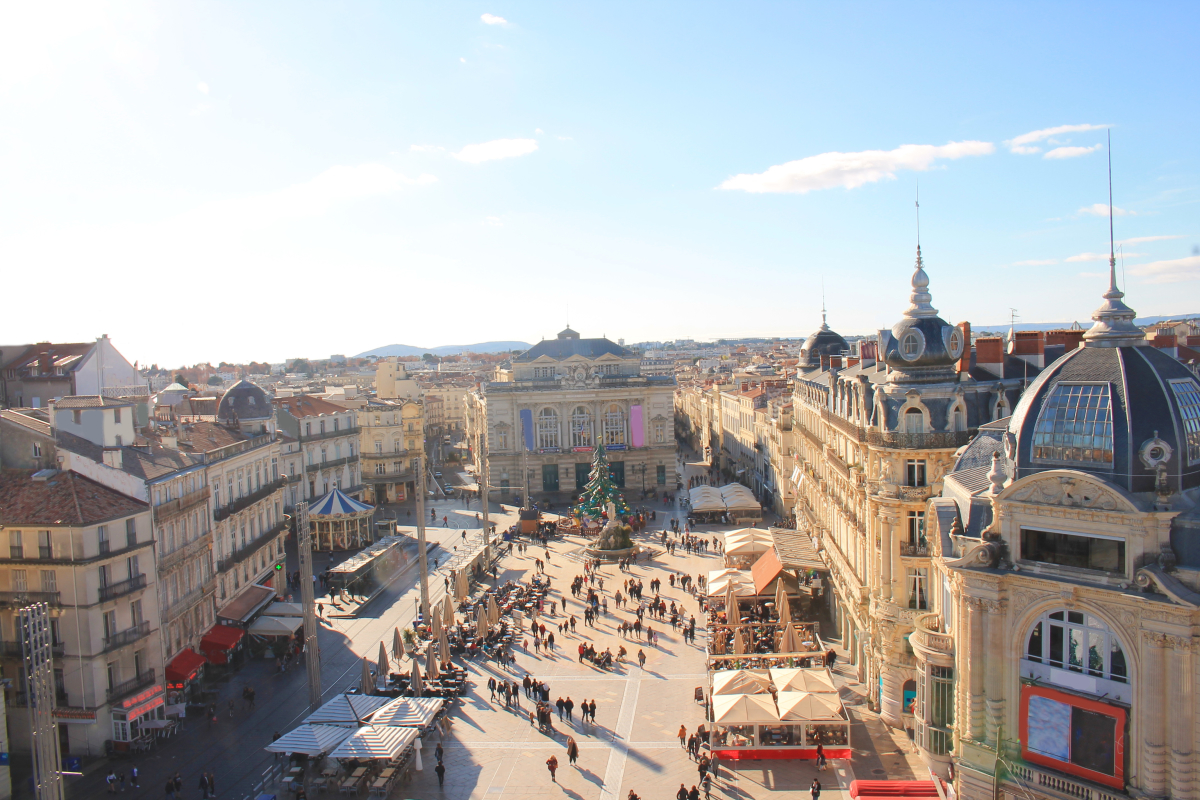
(65,498)
(307,406)
(89,401)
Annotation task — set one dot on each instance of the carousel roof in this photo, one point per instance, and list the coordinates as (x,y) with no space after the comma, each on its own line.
(338,504)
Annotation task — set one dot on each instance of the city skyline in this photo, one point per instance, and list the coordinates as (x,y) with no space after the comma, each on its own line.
(582,167)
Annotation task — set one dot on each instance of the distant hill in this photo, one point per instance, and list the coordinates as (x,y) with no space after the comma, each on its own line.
(443,350)
(1141,322)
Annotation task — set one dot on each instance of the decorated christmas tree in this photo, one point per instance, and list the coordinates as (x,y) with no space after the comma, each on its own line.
(601,489)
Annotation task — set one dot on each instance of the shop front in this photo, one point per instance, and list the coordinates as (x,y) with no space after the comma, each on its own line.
(223,644)
(130,715)
(183,676)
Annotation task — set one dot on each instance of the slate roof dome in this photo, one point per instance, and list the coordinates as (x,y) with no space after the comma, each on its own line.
(822,342)
(1115,408)
(246,402)
(923,347)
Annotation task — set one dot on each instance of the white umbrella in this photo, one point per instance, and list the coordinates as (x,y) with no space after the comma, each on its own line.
(739,642)
(383,660)
(431,667)
(416,684)
(789,641)
(481,626)
(782,606)
(732,614)
(435,621)
(493,611)
(397,646)
(368,685)
(447,611)
(444,648)
(460,585)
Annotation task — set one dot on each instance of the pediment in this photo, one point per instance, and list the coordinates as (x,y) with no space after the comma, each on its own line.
(1069,488)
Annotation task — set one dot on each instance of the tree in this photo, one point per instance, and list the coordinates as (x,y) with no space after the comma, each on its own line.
(182,381)
(430,357)
(214,380)
(601,489)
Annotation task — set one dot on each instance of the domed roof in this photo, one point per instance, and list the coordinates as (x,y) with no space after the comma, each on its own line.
(245,401)
(923,347)
(822,342)
(1115,408)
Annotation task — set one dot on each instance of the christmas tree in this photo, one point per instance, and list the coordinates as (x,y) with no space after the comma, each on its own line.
(600,489)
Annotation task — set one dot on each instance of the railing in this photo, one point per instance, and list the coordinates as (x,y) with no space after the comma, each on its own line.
(127,636)
(844,425)
(932,440)
(1060,786)
(926,634)
(316,437)
(918,550)
(13,649)
(329,464)
(184,603)
(914,494)
(387,477)
(179,554)
(230,450)
(17,599)
(22,699)
(242,553)
(173,508)
(126,688)
(401,454)
(114,590)
(246,501)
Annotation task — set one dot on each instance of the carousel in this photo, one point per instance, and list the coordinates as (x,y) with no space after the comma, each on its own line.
(339,522)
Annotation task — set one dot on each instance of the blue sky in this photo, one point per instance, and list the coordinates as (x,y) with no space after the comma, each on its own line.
(266,180)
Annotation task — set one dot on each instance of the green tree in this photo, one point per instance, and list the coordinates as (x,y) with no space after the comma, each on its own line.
(214,380)
(182,381)
(601,489)
(430,357)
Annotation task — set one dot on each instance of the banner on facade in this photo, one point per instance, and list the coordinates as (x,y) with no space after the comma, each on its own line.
(527,428)
(637,426)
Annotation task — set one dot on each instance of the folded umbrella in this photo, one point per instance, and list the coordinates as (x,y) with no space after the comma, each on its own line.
(444,648)
(397,646)
(383,660)
(416,684)
(368,684)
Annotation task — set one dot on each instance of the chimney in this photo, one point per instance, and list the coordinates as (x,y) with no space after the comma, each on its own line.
(1193,341)
(989,355)
(824,362)
(964,362)
(170,442)
(867,351)
(851,361)
(1169,344)
(112,457)
(50,416)
(45,363)
(1030,347)
(1068,338)
(835,362)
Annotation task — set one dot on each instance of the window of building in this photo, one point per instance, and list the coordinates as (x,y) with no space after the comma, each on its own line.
(17,576)
(324,455)
(1079,642)
(547,428)
(916,529)
(274,469)
(49,581)
(1187,394)
(37,450)
(335,423)
(914,472)
(117,415)
(380,468)
(914,421)
(614,425)
(102,537)
(910,346)
(76,416)
(1082,551)
(308,429)
(45,545)
(581,427)
(1075,425)
(105,575)
(660,430)
(958,419)
(661,475)
(918,587)
(16,546)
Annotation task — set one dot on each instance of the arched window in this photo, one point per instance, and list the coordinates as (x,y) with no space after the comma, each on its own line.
(660,430)
(914,421)
(581,427)
(547,428)
(1002,408)
(614,425)
(1077,641)
(958,418)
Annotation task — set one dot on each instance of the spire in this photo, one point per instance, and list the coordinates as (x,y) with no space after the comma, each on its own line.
(1113,319)
(919,299)
(824,321)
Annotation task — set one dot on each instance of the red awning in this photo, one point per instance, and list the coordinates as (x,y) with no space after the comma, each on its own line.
(892,789)
(217,643)
(184,666)
(765,570)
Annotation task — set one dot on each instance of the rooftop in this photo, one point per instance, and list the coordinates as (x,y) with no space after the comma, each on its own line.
(63,498)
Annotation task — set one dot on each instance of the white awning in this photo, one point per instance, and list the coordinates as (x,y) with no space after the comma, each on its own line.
(348,709)
(376,741)
(312,740)
(281,609)
(734,709)
(276,626)
(408,712)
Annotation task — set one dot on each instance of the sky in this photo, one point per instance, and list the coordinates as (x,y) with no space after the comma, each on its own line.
(235,181)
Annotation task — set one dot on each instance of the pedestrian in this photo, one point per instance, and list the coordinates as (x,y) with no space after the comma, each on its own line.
(820,757)
(694,793)
(492,688)
(552,765)
(682,736)
(178,781)
(569,705)
(133,777)
(170,789)
(592,710)
(702,767)
(572,750)
(706,783)
(437,752)
(641,659)
(440,769)
(212,784)
(111,780)
(682,793)
(815,789)
(121,780)
(562,707)
(203,786)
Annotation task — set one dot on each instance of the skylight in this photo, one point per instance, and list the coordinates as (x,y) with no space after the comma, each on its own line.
(1075,425)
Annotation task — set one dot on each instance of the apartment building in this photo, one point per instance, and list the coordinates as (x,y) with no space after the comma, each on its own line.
(328,439)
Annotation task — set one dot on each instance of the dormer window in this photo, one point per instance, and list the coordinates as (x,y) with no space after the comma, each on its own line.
(1075,425)
(1187,394)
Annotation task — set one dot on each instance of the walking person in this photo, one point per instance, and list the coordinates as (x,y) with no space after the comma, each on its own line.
(203,786)
(552,765)
(820,757)
(815,789)
(440,769)
(682,737)
(212,784)
(572,750)
(492,688)
(170,789)
(682,793)
(178,779)
(133,777)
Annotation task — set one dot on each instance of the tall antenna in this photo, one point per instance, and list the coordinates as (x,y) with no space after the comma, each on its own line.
(918,213)
(1112,253)
(823,301)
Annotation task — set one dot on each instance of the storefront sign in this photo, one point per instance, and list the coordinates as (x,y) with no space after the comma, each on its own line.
(141,697)
(581,449)
(74,716)
(550,450)
(614,447)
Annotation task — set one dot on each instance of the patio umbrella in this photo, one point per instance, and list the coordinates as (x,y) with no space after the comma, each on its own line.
(732,615)
(417,685)
(739,642)
(444,648)
(460,585)
(431,666)
(518,619)
(397,646)
(447,611)
(368,685)
(789,641)
(481,626)
(383,660)
(493,611)
(782,607)
(435,621)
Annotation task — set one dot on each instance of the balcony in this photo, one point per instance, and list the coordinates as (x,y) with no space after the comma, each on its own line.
(932,440)
(392,456)
(338,462)
(915,494)
(18,599)
(126,688)
(264,491)
(844,425)
(22,699)
(173,508)
(187,602)
(316,437)
(243,553)
(389,476)
(126,637)
(13,650)
(180,554)
(1046,783)
(915,549)
(128,586)
(927,637)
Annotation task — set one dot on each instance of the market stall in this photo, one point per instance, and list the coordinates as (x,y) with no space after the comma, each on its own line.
(786,724)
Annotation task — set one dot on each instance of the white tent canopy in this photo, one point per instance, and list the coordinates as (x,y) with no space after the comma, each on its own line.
(348,709)
(810,706)
(738,498)
(719,580)
(737,709)
(748,542)
(705,498)
(741,681)
(376,741)
(408,712)
(803,680)
(276,626)
(281,609)
(312,740)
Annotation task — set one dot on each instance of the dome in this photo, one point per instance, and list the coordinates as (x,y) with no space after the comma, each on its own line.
(822,342)
(1115,408)
(923,347)
(244,401)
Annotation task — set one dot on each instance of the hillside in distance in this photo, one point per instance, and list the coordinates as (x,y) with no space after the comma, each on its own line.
(1141,322)
(443,350)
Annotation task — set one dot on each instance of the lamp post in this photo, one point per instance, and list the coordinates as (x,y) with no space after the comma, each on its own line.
(642,469)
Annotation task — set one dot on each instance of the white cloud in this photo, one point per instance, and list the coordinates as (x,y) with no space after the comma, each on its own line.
(492,19)
(1172,271)
(538,130)
(1098,256)
(566,138)
(1143,239)
(500,148)
(494,222)
(1101,210)
(1037,262)
(1072,152)
(426,148)
(851,170)
(1024,144)
(462,61)
(202,87)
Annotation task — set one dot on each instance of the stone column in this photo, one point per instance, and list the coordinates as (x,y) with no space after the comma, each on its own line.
(1153,716)
(972,663)
(996,665)
(885,557)
(1181,699)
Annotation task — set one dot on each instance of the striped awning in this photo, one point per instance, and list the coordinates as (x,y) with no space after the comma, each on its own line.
(376,741)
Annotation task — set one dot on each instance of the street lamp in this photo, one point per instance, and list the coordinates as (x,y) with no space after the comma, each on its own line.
(642,469)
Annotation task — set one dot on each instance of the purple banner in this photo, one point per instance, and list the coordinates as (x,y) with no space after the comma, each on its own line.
(637,426)
(527,428)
